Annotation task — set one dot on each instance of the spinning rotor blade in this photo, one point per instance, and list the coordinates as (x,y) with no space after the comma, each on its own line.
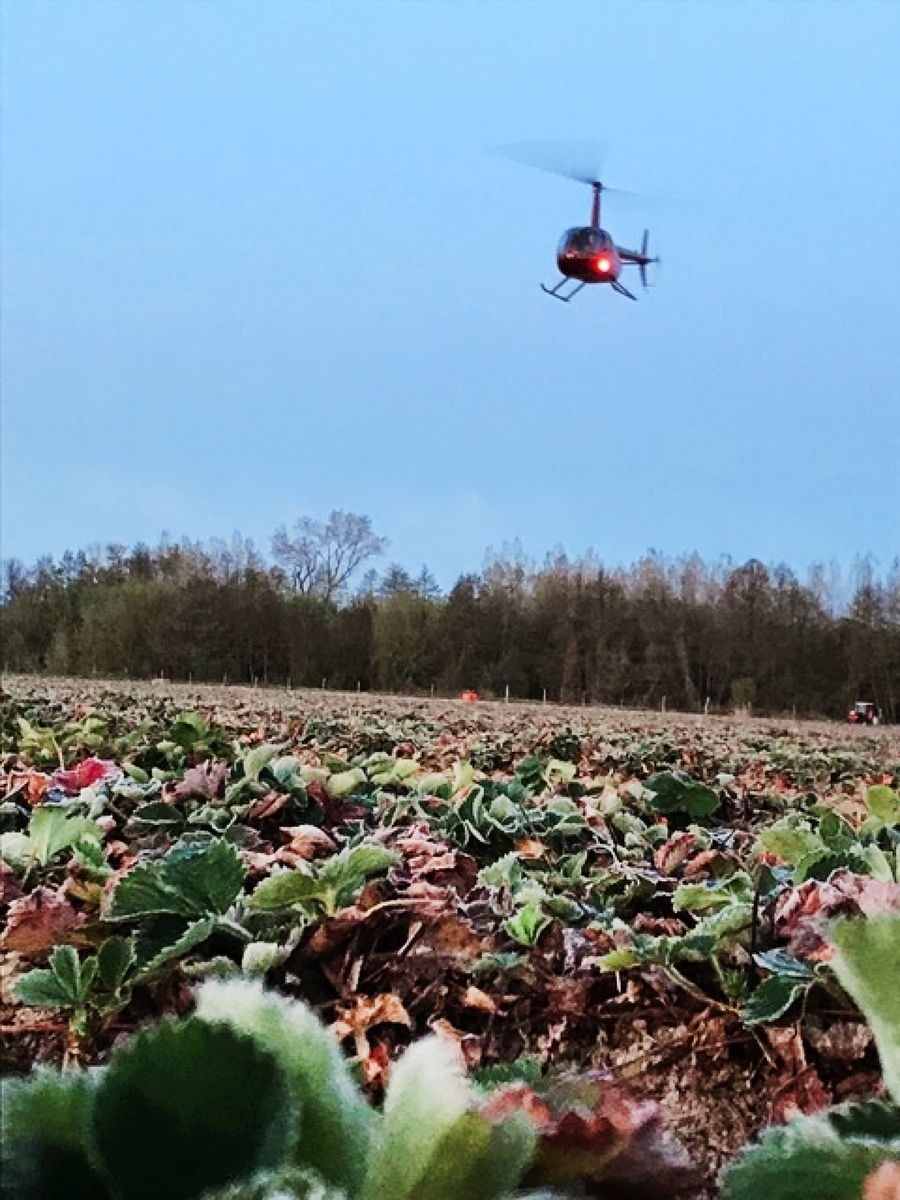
(580,160)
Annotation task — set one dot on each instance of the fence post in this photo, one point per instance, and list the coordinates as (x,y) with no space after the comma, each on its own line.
(324,681)
(506,695)
(662,707)
(706,707)
(544,697)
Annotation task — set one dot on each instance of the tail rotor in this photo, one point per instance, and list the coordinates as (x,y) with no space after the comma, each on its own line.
(645,258)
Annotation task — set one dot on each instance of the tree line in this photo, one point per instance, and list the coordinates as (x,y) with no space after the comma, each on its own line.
(682,632)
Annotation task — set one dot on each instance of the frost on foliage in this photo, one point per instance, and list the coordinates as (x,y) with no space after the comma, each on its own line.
(433,1144)
(45,1121)
(828,1156)
(189,1106)
(868,967)
(334,1120)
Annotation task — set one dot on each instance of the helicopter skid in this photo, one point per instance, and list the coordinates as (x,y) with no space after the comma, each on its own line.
(557,295)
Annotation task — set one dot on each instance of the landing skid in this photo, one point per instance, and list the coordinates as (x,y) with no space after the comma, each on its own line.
(622,290)
(555,292)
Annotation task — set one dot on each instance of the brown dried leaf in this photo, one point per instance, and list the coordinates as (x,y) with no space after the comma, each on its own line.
(355,1020)
(798,1088)
(32,783)
(307,842)
(844,1041)
(39,921)
(474,997)
(671,854)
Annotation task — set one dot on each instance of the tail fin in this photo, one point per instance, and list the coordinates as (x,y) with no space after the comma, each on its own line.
(645,243)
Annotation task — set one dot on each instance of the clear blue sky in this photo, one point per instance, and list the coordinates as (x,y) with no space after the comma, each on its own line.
(257,264)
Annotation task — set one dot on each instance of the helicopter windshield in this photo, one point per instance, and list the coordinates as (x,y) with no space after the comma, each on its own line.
(585,240)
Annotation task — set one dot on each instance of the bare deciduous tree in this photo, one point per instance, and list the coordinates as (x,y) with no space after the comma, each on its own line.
(321,558)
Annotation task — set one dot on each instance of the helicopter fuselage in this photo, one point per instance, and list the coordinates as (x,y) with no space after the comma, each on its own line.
(589,254)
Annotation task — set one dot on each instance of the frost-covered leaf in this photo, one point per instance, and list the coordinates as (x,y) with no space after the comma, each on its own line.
(164,938)
(772,998)
(261,957)
(884,804)
(284,889)
(718,893)
(64,984)
(53,829)
(194,878)
(344,783)
(45,1154)
(256,759)
(40,920)
(810,1157)
(335,1120)
(191,1106)
(430,1079)
(868,967)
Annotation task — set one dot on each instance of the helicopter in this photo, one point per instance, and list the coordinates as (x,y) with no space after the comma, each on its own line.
(586,254)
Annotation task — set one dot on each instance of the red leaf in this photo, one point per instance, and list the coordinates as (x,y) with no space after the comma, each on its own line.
(85,774)
(37,922)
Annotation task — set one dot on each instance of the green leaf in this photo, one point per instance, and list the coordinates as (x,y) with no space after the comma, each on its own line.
(165,938)
(429,1079)
(718,893)
(884,803)
(256,759)
(335,1120)
(867,965)
(805,1159)
(675,791)
(478,1159)
(115,958)
(358,864)
(790,839)
(65,984)
(52,829)
(819,864)
(284,889)
(45,1138)
(772,999)
(191,1106)
(527,925)
(344,783)
(208,875)
(194,878)
(559,770)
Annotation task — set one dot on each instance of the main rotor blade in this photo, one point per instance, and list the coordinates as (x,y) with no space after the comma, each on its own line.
(582,161)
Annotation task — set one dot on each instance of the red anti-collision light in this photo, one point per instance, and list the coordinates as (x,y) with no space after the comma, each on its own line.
(603,265)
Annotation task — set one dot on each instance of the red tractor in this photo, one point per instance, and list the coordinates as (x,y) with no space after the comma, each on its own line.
(863,712)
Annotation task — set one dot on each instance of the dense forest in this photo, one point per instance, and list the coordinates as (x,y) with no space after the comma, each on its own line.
(684,633)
